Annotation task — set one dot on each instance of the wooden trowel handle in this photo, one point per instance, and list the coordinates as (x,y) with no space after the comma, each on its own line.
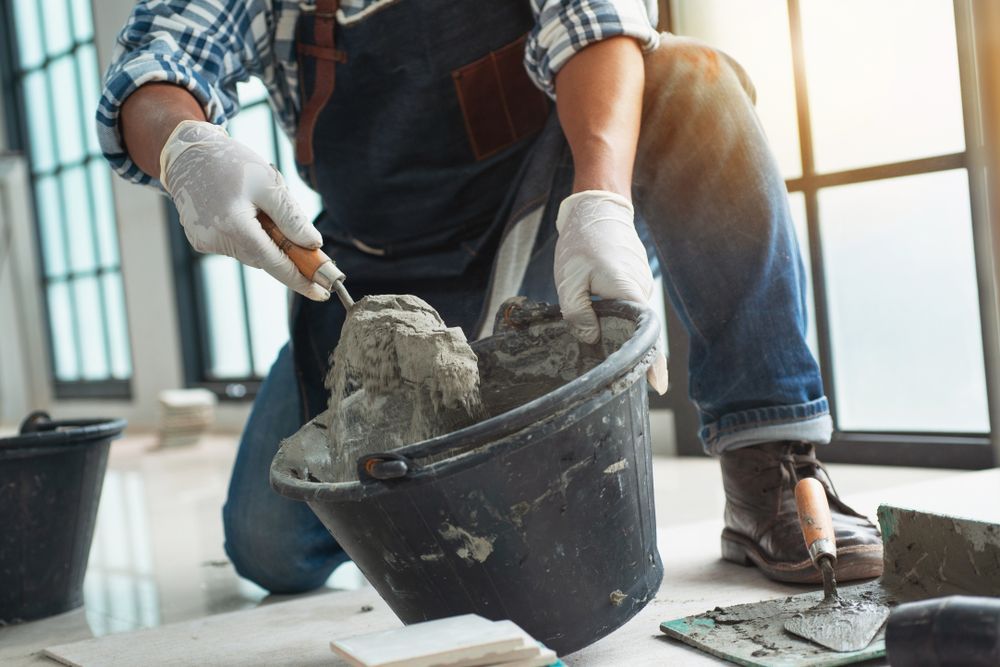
(306,260)
(815,519)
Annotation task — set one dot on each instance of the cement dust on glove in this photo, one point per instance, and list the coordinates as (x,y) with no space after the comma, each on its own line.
(598,253)
(218,184)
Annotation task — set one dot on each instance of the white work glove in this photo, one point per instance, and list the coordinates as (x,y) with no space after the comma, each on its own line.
(599,253)
(218,185)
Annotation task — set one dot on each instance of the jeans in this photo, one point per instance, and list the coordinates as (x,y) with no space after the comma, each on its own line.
(276,542)
(711,204)
(715,205)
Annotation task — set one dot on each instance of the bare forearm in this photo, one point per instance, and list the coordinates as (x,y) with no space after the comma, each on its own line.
(148,117)
(599,101)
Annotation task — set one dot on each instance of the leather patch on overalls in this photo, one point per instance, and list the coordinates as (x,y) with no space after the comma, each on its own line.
(499,102)
(327,56)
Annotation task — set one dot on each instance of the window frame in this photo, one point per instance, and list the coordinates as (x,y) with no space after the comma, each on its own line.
(18,139)
(192,306)
(192,319)
(911,448)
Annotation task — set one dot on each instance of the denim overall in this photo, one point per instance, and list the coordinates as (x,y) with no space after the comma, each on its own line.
(441,172)
(418,179)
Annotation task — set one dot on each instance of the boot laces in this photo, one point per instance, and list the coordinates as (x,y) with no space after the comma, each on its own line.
(795,457)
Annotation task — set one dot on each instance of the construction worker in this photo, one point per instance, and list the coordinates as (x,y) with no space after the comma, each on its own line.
(556,149)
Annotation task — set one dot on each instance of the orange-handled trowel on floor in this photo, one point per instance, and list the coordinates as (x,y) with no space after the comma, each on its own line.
(836,623)
(313,263)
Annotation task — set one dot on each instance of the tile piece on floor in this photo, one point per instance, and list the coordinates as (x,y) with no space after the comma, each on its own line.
(294,633)
(457,641)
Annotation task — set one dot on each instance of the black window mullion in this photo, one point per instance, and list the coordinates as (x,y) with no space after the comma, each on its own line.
(248,335)
(9,58)
(47,60)
(926,165)
(810,192)
(276,146)
(979,192)
(60,167)
(63,213)
(82,118)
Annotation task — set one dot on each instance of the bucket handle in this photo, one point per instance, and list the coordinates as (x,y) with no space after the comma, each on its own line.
(37,421)
(384,466)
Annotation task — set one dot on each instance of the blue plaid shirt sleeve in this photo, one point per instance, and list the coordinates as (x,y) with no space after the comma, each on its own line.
(564,27)
(205,46)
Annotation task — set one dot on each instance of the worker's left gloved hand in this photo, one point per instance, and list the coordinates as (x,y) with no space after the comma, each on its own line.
(599,253)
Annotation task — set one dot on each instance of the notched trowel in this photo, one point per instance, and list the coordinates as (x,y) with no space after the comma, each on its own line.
(837,623)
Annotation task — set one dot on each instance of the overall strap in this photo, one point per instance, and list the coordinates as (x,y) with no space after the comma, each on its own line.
(326,56)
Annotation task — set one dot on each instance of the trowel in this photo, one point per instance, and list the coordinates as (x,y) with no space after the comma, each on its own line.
(837,623)
(313,263)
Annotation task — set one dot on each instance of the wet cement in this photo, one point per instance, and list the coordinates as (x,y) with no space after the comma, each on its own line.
(380,400)
(398,375)
(932,555)
(755,634)
(926,555)
(840,624)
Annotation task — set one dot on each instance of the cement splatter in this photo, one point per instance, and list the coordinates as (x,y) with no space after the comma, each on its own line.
(473,547)
(617,597)
(617,466)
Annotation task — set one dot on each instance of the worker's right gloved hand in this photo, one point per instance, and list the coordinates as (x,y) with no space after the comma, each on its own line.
(218,184)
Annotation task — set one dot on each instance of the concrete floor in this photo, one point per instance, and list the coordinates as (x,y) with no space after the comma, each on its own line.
(157,556)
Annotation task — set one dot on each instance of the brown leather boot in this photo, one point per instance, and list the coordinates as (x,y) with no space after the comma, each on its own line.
(762,526)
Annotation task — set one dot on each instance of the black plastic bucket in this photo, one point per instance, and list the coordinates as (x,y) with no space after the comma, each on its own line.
(542,515)
(50,485)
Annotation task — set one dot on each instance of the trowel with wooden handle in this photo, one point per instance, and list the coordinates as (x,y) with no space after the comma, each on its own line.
(836,623)
(313,263)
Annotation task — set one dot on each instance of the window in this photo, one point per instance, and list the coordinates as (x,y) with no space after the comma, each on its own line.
(233,317)
(52,64)
(863,104)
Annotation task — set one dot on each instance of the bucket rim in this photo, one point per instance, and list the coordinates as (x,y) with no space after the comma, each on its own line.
(67,432)
(635,352)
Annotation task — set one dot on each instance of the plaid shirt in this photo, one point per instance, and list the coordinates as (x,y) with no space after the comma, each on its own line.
(207,46)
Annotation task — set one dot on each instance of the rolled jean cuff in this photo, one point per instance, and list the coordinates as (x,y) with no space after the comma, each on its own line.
(806,422)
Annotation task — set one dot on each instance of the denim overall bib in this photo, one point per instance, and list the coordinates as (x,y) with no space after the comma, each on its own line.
(428,143)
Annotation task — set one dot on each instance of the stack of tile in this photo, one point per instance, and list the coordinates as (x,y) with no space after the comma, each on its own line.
(459,641)
(184,415)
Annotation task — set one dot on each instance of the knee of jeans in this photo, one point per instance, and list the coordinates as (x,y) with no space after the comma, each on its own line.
(274,560)
(688,66)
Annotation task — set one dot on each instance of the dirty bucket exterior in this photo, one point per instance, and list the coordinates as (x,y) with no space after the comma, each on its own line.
(546,518)
(50,486)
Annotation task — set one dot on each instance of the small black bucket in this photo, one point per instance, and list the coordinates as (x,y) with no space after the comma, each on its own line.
(50,484)
(542,514)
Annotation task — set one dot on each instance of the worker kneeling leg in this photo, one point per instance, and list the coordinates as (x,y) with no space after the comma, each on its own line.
(275,542)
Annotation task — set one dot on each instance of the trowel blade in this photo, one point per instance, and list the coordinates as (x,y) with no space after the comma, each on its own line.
(849,626)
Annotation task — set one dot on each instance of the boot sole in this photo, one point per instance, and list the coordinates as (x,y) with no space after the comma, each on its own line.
(863,561)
